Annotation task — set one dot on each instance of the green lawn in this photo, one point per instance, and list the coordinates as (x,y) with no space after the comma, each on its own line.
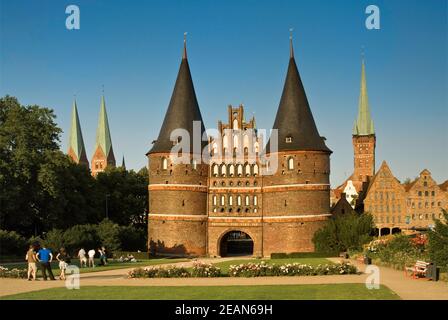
(271,292)
(110,266)
(311,261)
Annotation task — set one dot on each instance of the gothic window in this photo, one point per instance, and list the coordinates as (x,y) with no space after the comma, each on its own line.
(247,201)
(231,170)
(215,170)
(255,169)
(223,200)
(215,200)
(235,124)
(239,170)
(255,201)
(425,184)
(194,163)
(164,163)
(230,201)
(426,193)
(290,163)
(223,170)
(419,193)
(238,200)
(247,169)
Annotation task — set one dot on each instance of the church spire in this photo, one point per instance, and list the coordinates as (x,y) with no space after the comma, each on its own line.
(104,154)
(294,121)
(123,164)
(184,52)
(76,149)
(291,48)
(183,110)
(363,125)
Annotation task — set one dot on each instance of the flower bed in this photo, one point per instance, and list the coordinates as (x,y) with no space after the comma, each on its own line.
(261,269)
(13,273)
(199,269)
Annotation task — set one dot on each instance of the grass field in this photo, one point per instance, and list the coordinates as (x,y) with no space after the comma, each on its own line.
(110,266)
(271,292)
(311,261)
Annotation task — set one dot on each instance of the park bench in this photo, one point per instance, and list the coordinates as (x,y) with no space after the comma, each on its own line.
(417,270)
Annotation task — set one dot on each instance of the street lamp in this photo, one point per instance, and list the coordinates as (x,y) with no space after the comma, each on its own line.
(107,210)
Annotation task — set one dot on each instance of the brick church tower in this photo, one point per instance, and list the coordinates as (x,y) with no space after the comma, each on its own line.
(177,220)
(76,148)
(104,154)
(296,198)
(364,139)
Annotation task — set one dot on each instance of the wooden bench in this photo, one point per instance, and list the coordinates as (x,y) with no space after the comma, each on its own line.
(417,270)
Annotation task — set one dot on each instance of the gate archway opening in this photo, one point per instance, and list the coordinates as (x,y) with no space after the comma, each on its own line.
(236,243)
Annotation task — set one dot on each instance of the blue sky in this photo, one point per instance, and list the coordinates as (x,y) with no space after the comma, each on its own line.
(238,53)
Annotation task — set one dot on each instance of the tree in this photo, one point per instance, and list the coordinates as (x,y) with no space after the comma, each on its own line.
(127,195)
(27,134)
(344,232)
(438,241)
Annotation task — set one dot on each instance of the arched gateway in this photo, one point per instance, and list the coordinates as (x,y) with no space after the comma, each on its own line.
(236,243)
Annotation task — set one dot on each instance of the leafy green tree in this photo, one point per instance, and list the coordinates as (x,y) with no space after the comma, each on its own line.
(81,236)
(12,243)
(54,239)
(438,241)
(109,234)
(27,135)
(127,195)
(344,232)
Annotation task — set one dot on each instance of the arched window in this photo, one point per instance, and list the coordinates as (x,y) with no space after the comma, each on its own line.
(230,201)
(247,201)
(255,201)
(238,200)
(235,124)
(215,200)
(247,169)
(225,142)
(255,169)
(239,170)
(164,163)
(223,200)
(235,142)
(215,170)
(290,163)
(194,164)
(231,170)
(223,170)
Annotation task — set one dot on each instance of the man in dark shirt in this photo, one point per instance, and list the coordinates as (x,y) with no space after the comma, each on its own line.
(44,256)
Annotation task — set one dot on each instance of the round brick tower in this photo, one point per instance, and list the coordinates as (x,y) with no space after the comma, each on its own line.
(296,196)
(177,220)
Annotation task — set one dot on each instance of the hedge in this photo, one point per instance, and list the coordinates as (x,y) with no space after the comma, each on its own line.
(302,255)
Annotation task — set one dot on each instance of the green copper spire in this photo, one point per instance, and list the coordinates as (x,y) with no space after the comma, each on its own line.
(364,124)
(76,142)
(103,138)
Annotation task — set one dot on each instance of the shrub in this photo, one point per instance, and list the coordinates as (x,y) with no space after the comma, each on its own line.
(13,273)
(54,239)
(263,269)
(438,242)
(12,243)
(205,270)
(81,236)
(160,272)
(344,232)
(109,235)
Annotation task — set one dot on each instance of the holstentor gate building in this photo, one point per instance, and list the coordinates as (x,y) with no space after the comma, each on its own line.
(217,209)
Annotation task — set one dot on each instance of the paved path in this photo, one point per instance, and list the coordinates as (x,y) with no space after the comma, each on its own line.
(406,288)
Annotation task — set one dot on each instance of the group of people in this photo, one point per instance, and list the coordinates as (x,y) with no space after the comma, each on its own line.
(91,254)
(43,256)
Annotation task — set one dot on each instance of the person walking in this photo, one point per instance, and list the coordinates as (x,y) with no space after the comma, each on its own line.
(44,256)
(91,254)
(102,254)
(31,258)
(64,260)
(82,257)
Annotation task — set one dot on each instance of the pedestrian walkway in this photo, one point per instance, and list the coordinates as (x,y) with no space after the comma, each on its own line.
(406,288)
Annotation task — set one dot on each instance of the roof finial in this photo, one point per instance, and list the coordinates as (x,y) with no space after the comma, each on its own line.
(291,49)
(184,55)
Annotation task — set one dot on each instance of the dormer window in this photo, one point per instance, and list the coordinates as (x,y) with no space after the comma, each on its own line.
(288,139)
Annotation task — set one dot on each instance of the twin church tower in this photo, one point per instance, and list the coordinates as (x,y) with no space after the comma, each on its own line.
(103,155)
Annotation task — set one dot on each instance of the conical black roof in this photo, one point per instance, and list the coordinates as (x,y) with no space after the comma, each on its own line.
(297,130)
(182,111)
